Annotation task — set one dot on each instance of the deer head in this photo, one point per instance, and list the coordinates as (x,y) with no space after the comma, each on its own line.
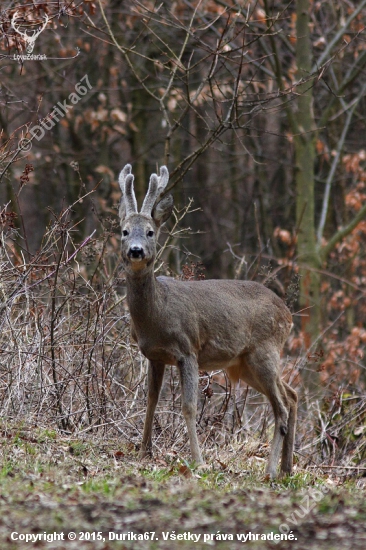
(140,229)
(29,39)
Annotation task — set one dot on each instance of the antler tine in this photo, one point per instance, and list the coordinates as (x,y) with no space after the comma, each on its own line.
(163,179)
(156,187)
(151,195)
(46,19)
(129,197)
(15,15)
(123,175)
(128,201)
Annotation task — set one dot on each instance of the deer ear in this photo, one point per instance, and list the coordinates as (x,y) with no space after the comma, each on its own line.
(162,210)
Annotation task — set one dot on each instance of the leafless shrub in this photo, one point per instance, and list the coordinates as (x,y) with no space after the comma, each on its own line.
(67,360)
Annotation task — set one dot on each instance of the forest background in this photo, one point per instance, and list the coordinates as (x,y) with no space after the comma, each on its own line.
(258,110)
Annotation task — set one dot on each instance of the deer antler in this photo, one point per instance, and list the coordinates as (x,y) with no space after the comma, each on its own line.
(163,180)
(156,187)
(128,202)
(30,40)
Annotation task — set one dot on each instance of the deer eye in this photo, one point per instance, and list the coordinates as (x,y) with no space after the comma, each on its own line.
(150,233)
(125,232)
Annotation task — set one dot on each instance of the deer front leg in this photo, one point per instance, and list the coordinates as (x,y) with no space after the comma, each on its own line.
(188,372)
(155,375)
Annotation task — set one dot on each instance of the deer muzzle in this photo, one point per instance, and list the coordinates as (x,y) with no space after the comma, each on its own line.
(136,253)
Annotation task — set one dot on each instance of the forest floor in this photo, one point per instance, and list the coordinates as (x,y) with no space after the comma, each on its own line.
(95,490)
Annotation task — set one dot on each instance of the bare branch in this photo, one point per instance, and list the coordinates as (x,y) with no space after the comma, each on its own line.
(335,162)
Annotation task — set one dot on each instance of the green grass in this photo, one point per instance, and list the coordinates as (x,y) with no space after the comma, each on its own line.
(44,435)
(52,483)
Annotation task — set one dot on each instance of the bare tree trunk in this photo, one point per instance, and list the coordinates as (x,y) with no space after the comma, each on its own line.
(304,177)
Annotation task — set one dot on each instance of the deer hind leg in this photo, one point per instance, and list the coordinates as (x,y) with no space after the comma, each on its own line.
(188,373)
(260,370)
(288,443)
(155,375)
(281,415)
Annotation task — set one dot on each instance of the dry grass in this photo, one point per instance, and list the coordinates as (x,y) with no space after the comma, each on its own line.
(68,364)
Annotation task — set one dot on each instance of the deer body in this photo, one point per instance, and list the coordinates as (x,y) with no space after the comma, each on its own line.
(239,326)
(198,306)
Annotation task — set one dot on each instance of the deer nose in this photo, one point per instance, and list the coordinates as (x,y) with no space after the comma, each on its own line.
(136,252)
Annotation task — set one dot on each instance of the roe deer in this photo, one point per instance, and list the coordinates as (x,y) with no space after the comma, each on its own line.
(239,326)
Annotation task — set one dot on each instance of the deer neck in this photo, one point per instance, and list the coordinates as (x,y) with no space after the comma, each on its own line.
(142,296)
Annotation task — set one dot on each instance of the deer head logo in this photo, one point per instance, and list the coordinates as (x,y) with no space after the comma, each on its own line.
(29,38)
